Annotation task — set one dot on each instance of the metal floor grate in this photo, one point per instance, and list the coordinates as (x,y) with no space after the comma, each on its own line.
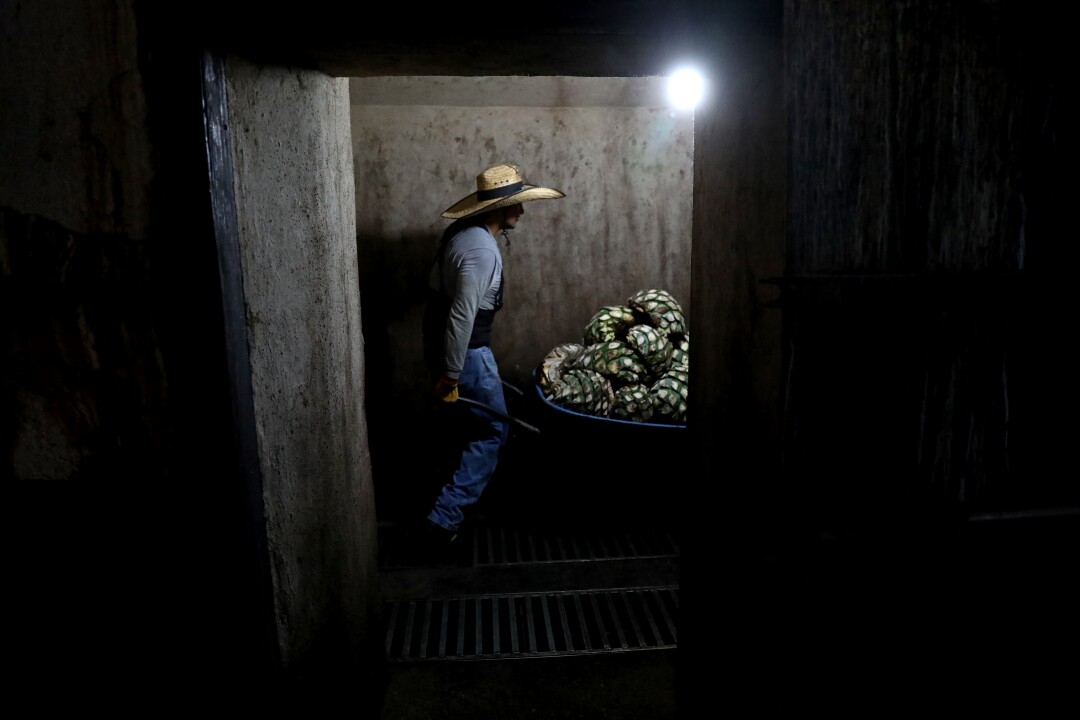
(532,624)
(497,546)
(501,546)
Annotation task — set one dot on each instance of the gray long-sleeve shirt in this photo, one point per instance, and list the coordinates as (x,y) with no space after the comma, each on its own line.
(470,274)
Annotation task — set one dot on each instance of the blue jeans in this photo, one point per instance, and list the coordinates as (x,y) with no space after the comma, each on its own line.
(485,436)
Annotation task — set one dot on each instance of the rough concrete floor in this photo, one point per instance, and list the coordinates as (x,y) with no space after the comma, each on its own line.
(630,685)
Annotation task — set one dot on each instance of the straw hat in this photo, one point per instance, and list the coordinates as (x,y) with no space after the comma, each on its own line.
(498,187)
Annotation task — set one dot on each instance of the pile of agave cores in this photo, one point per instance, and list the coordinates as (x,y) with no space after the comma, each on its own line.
(632,364)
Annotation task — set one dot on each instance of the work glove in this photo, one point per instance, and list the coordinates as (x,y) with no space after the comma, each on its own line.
(446,390)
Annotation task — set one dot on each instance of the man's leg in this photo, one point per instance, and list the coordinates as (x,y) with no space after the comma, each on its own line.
(479,381)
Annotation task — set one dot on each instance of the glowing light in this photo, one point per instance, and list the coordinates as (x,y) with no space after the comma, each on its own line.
(686,87)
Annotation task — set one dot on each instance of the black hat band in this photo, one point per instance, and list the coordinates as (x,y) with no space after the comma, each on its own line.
(499,192)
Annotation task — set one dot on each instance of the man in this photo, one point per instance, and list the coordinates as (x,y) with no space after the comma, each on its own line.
(465,291)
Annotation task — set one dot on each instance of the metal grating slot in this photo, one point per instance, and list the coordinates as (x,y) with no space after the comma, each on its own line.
(514,547)
(487,546)
(535,624)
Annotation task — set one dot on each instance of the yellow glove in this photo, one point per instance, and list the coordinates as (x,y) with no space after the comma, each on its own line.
(446,390)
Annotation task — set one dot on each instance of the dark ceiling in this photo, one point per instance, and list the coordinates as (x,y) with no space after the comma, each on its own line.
(603,38)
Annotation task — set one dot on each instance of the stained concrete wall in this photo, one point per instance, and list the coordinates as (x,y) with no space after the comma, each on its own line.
(88,169)
(118,431)
(75,190)
(740,224)
(88,425)
(621,154)
(297,227)
(923,303)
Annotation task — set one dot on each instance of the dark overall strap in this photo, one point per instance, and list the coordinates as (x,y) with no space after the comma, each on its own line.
(481,332)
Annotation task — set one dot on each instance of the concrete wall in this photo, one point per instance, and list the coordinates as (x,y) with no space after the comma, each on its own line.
(129,502)
(621,155)
(739,236)
(75,177)
(922,304)
(88,428)
(294,192)
(88,168)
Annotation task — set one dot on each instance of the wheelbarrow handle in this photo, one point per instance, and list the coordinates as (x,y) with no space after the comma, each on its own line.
(497,413)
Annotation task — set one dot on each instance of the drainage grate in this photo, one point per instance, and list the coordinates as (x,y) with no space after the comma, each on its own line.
(498,546)
(486,546)
(528,625)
